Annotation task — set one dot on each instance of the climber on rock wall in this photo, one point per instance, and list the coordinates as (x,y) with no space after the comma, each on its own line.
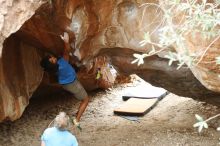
(67,76)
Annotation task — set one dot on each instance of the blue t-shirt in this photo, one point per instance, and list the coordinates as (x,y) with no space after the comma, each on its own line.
(55,137)
(66,73)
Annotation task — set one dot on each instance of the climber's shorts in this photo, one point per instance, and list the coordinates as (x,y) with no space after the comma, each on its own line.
(77,89)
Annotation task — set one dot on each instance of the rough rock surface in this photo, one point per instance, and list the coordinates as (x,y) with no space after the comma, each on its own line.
(13,13)
(207,71)
(20,75)
(111,28)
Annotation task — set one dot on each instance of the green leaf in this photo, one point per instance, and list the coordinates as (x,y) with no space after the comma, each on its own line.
(200,128)
(201,125)
(139,59)
(197,124)
(172,57)
(134,61)
(205,125)
(136,55)
(170,62)
(142,43)
(199,118)
(180,65)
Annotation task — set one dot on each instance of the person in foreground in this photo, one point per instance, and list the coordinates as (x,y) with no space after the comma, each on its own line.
(59,134)
(67,77)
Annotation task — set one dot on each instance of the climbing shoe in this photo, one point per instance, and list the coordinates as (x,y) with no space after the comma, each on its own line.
(77,124)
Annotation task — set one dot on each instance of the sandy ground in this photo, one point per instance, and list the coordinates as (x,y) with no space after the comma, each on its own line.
(168,124)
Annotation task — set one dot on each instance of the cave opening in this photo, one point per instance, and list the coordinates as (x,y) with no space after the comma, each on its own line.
(102,34)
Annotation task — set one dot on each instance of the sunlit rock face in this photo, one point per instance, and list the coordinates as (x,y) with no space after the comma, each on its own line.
(206,70)
(102,32)
(13,13)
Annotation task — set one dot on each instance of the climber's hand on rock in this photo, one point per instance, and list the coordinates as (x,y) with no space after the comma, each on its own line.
(65,37)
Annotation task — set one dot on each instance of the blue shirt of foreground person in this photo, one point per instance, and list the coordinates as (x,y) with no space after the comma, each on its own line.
(59,135)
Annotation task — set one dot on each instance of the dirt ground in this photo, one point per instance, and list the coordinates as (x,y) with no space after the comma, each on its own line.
(168,124)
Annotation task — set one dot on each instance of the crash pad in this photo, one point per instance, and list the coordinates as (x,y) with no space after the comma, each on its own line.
(126,97)
(136,106)
(145,91)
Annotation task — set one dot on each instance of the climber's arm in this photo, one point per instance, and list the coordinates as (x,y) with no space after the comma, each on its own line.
(67,47)
(66,51)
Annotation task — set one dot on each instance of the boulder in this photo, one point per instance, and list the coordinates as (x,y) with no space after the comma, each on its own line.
(20,75)
(13,14)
